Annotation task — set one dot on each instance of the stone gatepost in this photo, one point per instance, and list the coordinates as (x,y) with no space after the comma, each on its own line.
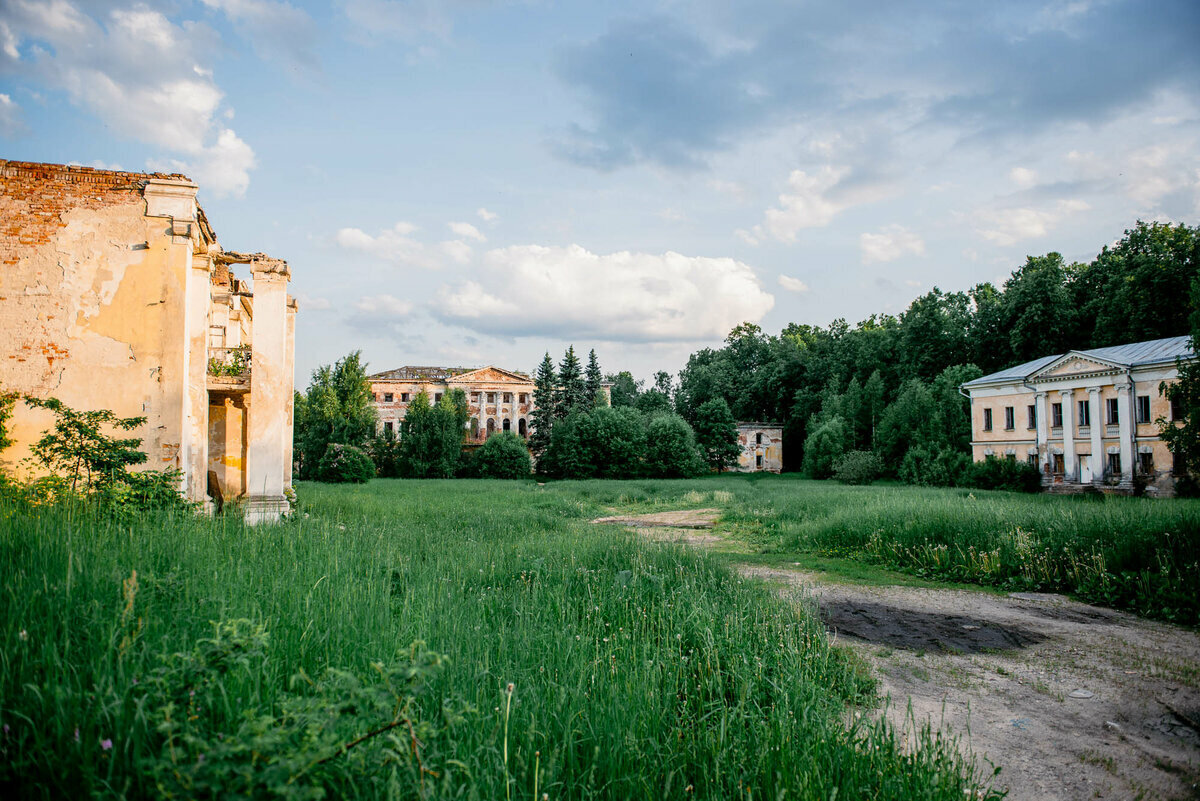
(270,432)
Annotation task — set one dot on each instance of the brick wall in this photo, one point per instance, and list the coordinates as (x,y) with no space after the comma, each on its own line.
(34,196)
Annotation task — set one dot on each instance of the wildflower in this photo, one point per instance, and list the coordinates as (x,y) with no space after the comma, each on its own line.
(23,636)
(509,689)
(76,734)
(106,744)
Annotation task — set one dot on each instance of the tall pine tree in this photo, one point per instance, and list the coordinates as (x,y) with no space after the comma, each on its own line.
(544,402)
(572,390)
(594,379)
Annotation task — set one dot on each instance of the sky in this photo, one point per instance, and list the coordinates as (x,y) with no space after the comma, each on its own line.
(464,182)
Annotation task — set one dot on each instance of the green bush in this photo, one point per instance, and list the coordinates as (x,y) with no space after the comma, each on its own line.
(345,464)
(1004,474)
(857,467)
(946,468)
(671,449)
(503,455)
(605,443)
(823,446)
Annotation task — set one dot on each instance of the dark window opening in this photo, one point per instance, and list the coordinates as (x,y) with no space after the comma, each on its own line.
(491,428)
(758,439)
(437,397)
(1032,413)
(1113,414)
(388,397)
(987,419)
(388,427)
(1009,418)
(1143,408)
(758,462)
(1085,414)
(1056,415)
(1059,463)
(521,428)
(508,397)
(404,397)
(491,397)
(1114,464)
(1146,463)
(508,425)
(1177,408)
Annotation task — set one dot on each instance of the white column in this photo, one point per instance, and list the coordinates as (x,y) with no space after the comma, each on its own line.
(1099,458)
(1124,425)
(1042,417)
(270,390)
(198,303)
(290,375)
(1068,427)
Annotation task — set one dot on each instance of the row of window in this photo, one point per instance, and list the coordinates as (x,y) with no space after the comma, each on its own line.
(476,397)
(1112,414)
(389,426)
(1145,463)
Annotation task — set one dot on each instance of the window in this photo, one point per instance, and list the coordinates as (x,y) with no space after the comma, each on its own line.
(987,419)
(1177,466)
(1143,408)
(1056,415)
(1177,408)
(524,398)
(1114,464)
(437,397)
(387,397)
(491,397)
(1085,413)
(389,427)
(1031,411)
(508,397)
(1032,458)
(1012,457)
(404,397)
(507,424)
(1111,414)
(758,461)
(1009,418)
(1146,464)
(1059,465)
(758,439)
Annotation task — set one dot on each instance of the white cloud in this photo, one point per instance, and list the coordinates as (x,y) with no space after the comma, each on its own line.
(890,243)
(813,200)
(793,284)
(379,307)
(310,303)
(487,216)
(1022,177)
(458,250)
(1009,226)
(746,236)
(276,30)
(141,75)
(466,231)
(397,246)
(11,124)
(531,290)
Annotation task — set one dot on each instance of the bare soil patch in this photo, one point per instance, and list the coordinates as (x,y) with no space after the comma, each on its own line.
(1071,701)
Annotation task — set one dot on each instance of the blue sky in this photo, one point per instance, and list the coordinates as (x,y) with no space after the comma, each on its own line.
(467,182)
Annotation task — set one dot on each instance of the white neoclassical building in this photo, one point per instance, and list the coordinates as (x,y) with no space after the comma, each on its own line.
(1083,417)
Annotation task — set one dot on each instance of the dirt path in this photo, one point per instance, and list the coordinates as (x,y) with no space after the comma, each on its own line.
(1071,701)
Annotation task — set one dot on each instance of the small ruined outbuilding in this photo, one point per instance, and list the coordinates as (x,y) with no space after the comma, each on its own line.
(761,447)
(115,294)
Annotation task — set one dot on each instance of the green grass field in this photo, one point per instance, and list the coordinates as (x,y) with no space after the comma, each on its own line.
(191,658)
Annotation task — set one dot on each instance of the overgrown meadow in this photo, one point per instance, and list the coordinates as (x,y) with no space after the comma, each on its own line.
(441,639)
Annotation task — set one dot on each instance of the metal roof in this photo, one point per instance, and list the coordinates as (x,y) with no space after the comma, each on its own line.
(1154,351)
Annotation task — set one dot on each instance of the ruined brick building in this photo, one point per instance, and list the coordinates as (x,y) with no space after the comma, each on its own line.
(760,447)
(115,294)
(497,399)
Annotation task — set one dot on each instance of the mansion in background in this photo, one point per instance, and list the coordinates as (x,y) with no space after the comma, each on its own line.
(1086,417)
(115,294)
(497,399)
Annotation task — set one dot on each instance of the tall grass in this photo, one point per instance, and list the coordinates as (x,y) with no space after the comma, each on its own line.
(635,669)
(1131,553)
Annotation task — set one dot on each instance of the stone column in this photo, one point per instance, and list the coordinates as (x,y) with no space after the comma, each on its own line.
(270,393)
(290,374)
(198,303)
(1124,426)
(1099,459)
(1042,418)
(1068,427)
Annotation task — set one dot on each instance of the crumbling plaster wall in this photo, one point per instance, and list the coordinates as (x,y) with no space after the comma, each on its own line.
(90,296)
(760,441)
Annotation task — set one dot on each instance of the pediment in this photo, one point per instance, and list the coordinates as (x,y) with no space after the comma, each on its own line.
(491,375)
(1074,364)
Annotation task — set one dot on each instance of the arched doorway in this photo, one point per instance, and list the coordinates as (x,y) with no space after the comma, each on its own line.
(491,427)
(521,428)
(507,424)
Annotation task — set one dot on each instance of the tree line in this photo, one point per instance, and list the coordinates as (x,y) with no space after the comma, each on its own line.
(889,385)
